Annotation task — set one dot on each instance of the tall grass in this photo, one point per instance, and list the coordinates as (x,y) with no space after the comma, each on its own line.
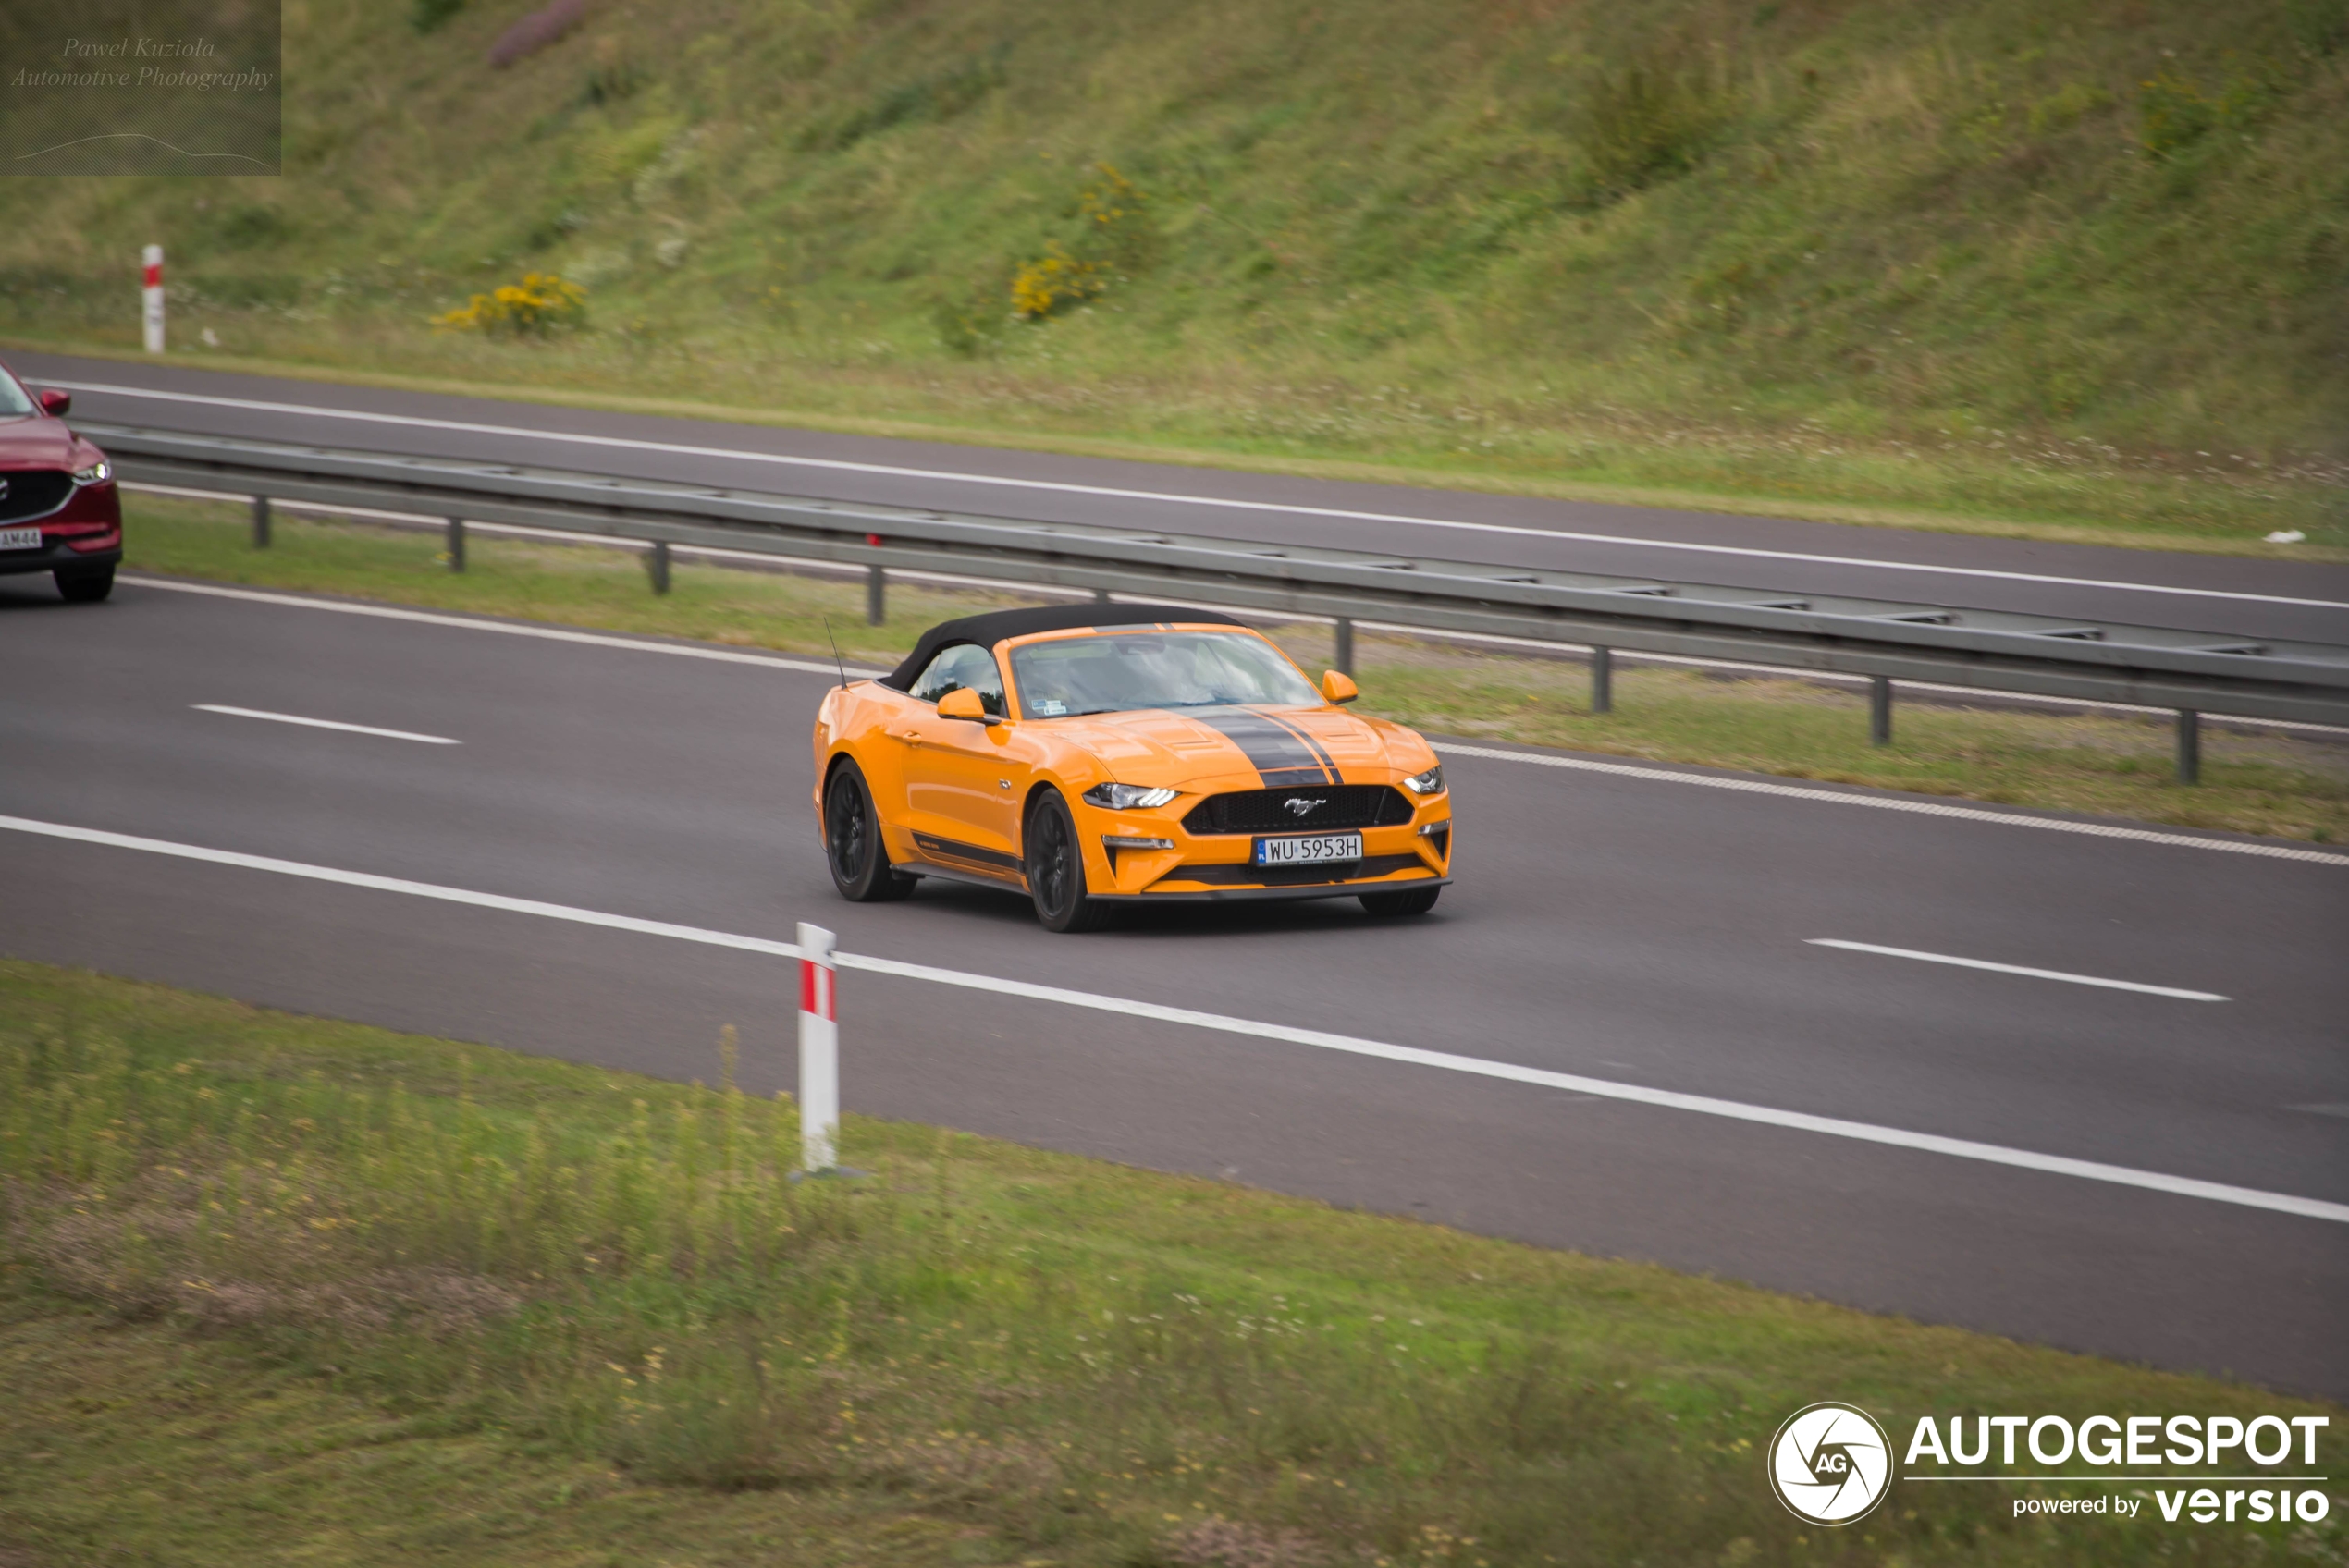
(656,1290)
(1101,1367)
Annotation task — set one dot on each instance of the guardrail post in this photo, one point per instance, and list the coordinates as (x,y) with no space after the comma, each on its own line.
(657,564)
(2189,746)
(876,596)
(1880,710)
(819,1052)
(261,523)
(1602,680)
(1342,646)
(456,544)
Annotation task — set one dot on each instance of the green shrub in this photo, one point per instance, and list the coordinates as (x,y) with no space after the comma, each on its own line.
(2320,27)
(1649,116)
(1054,281)
(539,304)
(425,15)
(970,327)
(1116,237)
(614,76)
(938,96)
(1117,227)
(2174,112)
(245,227)
(2065,106)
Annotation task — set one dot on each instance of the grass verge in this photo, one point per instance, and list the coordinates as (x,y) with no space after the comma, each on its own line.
(2060,266)
(2253,781)
(278,1289)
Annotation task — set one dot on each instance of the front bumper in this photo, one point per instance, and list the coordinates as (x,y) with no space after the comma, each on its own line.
(1268,895)
(84,533)
(1215,868)
(56,555)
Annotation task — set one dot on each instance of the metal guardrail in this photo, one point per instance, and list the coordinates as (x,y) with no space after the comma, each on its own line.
(1989,650)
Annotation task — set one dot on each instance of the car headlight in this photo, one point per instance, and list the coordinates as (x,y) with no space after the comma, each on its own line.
(1125,796)
(1428,783)
(96,474)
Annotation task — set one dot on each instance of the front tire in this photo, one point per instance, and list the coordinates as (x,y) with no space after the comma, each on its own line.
(1055,866)
(1419,900)
(853,844)
(84,585)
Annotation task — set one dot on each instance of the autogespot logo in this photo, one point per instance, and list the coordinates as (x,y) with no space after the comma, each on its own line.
(1831,1463)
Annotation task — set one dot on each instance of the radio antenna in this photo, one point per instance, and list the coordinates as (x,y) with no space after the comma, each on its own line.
(837,662)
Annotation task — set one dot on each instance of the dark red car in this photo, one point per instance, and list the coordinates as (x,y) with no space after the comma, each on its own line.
(59,511)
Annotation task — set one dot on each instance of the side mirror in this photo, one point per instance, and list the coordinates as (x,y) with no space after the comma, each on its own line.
(963,702)
(1340,687)
(56,402)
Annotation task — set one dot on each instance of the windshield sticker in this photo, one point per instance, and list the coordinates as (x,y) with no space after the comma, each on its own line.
(1050,707)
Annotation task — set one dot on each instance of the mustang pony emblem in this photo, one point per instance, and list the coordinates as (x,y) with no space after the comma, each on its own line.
(1301,806)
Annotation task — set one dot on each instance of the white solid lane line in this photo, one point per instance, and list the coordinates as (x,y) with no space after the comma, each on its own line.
(1172,497)
(2016,968)
(324,724)
(1702,1105)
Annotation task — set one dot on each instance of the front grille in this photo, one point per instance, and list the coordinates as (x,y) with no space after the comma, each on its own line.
(1267,810)
(33,492)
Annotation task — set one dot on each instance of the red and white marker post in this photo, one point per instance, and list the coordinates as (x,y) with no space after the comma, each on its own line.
(819,1052)
(151,298)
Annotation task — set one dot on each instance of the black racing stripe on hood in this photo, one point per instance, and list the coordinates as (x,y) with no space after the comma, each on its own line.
(1320,753)
(1278,753)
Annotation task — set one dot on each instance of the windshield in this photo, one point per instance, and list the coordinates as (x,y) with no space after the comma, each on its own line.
(1155,669)
(13,401)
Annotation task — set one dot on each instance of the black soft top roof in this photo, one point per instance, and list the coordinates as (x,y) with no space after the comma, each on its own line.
(995,625)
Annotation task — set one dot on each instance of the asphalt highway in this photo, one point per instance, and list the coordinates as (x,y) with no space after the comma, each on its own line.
(1613,925)
(2230,596)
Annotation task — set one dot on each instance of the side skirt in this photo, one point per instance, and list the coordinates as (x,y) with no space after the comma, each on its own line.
(1006,884)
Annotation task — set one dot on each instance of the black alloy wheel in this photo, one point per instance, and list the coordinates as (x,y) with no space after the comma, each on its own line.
(1419,900)
(853,842)
(84,585)
(1055,866)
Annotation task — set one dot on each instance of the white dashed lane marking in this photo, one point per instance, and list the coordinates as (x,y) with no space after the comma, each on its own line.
(323,724)
(2016,968)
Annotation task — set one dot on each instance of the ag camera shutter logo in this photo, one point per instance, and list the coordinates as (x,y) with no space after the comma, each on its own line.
(1831,1463)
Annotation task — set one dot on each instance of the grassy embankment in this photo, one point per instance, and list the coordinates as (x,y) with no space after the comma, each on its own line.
(278,1289)
(2253,782)
(2072,271)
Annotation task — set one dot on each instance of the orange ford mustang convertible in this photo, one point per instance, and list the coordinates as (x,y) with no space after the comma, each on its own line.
(1095,755)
